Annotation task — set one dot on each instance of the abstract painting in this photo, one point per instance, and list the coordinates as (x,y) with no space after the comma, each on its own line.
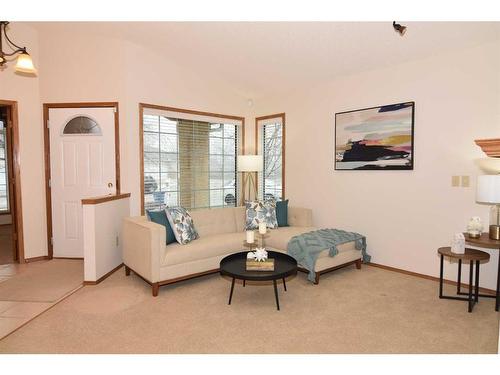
(375,138)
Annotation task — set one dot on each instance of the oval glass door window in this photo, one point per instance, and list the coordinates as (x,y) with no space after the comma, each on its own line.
(82,125)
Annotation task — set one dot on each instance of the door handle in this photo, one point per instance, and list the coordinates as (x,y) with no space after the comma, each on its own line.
(110,184)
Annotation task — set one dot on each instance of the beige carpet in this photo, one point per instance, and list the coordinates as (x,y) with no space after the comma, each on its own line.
(6,253)
(350,311)
(45,281)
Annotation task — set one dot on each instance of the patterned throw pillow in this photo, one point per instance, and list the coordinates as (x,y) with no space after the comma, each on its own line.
(182,224)
(257,212)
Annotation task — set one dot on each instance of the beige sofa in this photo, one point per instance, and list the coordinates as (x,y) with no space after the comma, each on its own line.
(222,232)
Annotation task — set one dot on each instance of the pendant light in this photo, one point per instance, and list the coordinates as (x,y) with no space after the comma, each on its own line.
(24,62)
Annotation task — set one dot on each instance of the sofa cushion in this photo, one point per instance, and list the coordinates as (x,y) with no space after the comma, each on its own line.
(160,217)
(261,211)
(278,239)
(181,222)
(282,213)
(211,221)
(204,247)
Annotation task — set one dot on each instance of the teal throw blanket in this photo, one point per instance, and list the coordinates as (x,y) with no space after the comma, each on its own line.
(305,248)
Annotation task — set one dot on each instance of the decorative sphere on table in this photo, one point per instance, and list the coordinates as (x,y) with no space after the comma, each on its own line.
(260,254)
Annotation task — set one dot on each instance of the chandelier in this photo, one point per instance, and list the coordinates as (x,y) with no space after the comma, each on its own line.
(24,62)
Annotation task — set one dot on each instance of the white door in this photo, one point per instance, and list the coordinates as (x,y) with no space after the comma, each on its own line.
(82,165)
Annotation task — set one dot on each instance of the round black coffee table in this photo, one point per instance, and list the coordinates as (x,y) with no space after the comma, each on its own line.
(234,266)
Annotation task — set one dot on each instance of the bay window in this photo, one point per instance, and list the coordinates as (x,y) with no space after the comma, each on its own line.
(189,158)
(270,142)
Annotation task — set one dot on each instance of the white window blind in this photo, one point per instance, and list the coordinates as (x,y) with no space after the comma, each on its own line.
(189,160)
(4,186)
(270,138)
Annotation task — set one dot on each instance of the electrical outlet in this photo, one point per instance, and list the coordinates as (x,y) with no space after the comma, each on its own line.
(455,181)
(465,181)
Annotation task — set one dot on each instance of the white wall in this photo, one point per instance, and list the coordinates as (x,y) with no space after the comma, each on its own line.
(91,68)
(406,215)
(25,90)
(80,68)
(102,237)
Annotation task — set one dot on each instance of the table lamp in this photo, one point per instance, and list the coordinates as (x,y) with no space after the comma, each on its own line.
(248,165)
(488,191)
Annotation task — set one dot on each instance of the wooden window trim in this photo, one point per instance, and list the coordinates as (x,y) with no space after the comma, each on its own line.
(283,147)
(143,106)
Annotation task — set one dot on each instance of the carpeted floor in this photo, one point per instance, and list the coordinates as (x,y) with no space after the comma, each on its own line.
(43,281)
(350,311)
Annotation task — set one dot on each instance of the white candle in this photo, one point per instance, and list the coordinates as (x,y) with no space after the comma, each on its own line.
(262,228)
(250,236)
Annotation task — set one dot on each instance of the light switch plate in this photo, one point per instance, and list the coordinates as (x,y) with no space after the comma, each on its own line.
(465,181)
(455,181)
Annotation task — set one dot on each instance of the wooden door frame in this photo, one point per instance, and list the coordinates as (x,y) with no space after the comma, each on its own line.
(46,143)
(15,200)
(283,147)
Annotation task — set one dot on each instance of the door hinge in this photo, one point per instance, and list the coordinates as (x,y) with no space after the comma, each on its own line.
(114,109)
(51,241)
(50,182)
(48,124)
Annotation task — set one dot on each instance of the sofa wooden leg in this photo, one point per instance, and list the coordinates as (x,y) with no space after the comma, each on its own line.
(316,279)
(127,271)
(156,288)
(358,264)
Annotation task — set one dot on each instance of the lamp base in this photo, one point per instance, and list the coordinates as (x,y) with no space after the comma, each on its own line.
(495,232)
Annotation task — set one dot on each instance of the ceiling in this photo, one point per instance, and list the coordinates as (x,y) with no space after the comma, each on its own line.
(265,58)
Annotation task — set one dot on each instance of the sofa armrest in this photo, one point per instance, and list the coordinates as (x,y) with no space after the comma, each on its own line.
(143,243)
(300,217)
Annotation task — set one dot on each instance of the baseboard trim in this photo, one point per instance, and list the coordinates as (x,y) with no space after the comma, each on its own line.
(70,258)
(428,277)
(36,259)
(104,276)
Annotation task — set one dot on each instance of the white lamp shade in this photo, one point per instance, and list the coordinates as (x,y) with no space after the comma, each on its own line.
(489,165)
(488,189)
(250,163)
(25,64)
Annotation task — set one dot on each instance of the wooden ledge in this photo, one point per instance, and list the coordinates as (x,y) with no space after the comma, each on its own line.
(490,147)
(105,198)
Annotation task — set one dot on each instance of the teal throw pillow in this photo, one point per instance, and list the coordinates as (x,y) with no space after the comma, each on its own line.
(282,213)
(160,217)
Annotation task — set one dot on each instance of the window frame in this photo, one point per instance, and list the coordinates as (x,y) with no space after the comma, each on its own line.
(143,106)
(283,147)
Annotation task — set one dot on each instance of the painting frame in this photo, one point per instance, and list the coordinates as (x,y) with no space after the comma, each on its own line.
(393,162)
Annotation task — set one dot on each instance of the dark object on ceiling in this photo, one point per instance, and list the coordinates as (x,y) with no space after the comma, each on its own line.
(399,28)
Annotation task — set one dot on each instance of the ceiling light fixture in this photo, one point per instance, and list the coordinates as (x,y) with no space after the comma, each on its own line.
(24,62)
(399,28)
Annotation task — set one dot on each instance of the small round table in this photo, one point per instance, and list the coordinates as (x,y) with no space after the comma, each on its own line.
(234,266)
(470,255)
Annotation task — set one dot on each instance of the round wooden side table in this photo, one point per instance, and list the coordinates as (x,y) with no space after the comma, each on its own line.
(470,255)
(486,242)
